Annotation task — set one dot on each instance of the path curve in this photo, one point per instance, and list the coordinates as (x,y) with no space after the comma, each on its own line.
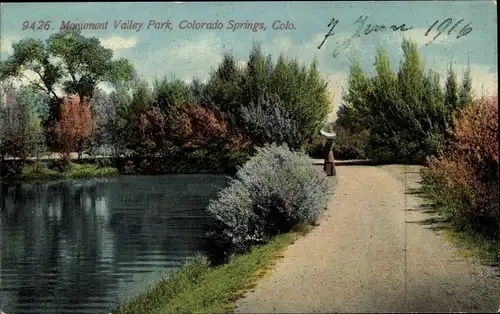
(369,255)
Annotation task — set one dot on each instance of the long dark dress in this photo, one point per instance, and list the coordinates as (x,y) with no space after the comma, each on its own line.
(329,161)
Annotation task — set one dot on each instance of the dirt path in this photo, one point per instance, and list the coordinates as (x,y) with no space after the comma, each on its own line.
(370,254)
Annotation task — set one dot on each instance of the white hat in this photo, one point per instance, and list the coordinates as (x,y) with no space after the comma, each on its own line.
(326,134)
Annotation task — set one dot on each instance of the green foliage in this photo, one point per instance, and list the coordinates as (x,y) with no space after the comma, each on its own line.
(82,64)
(301,90)
(403,115)
(465,94)
(14,122)
(146,120)
(170,94)
(256,78)
(35,137)
(304,94)
(59,169)
(223,89)
(451,91)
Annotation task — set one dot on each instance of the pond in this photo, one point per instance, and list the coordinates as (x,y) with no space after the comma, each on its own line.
(81,246)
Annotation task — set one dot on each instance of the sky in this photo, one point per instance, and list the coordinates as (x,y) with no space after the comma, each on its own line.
(165,49)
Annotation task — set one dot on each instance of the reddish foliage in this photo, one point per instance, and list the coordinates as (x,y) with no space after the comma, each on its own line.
(150,130)
(467,174)
(74,126)
(476,132)
(196,127)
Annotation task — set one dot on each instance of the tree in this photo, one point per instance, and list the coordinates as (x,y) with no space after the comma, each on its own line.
(386,110)
(170,94)
(303,93)
(465,97)
(196,89)
(14,116)
(35,139)
(268,122)
(355,108)
(74,127)
(256,77)
(66,60)
(103,111)
(195,127)
(150,132)
(403,113)
(121,118)
(451,98)
(223,89)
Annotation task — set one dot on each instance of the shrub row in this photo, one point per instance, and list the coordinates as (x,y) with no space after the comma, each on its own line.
(465,176)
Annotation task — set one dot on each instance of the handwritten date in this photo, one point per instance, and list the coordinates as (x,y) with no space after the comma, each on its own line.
(367,29)
(362,28)
(443,26)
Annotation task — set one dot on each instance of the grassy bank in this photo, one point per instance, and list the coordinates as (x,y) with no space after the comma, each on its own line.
(44,173)
(200,288)
(470,242)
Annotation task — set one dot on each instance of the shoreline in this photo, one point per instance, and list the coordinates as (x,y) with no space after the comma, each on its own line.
(198,287)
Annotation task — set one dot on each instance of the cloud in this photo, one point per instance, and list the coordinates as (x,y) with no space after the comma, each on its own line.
(117,42)
(6,43)
(336,82)
(188,60)
(484,80)
(417,35)
(242,64)
(307,51)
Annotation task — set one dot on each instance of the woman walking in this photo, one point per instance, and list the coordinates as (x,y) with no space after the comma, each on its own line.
(329,161)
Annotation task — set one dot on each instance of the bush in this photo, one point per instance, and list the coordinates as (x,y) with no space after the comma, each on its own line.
(315,147)
(465,177)
(268,122)
(194,127)
(350,145)
(59,165)
(274,191)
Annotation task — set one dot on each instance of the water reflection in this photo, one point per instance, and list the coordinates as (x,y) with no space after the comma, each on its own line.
(80,246)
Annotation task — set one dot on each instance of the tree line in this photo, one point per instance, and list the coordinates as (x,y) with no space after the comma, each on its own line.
(236,109)
(399,115)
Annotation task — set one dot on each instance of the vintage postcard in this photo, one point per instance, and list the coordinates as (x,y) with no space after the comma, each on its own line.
(249,157)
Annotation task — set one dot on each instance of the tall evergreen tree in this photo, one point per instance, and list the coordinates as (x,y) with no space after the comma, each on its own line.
(385,100)
(355,107)
(465,93)
(451,91)
(223,90)
(256,77)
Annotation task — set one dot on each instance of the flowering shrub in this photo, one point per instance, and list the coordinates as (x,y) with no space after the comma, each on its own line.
(273,192)
(465,177)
